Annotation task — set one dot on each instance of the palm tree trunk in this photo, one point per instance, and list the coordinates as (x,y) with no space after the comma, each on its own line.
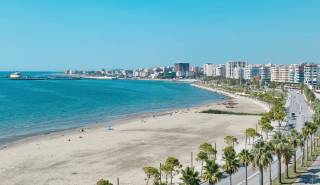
(302,159)
(279,168)
(246,167)
(230,179)
(201,168)
(166,178)
(160,174)
(295,161)
(270,175)
(311,145)
(171,178)
(261,175)
(148,180)
(314,142)
(307,151)
(287,170)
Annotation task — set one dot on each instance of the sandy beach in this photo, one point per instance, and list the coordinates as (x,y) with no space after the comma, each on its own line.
(81,158)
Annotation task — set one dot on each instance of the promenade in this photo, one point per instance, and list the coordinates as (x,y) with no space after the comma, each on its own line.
(312,175)
(296,103)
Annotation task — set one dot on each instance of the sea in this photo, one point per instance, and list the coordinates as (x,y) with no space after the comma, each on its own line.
(31,107)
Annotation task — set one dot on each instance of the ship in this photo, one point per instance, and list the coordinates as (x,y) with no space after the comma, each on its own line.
(19,76)
(15,76)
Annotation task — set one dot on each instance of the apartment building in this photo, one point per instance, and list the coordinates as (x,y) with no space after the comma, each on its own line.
(233,67)
(251,71)
(311,74)
(280,73)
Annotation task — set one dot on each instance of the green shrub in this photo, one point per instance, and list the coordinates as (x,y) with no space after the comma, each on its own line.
(104,182)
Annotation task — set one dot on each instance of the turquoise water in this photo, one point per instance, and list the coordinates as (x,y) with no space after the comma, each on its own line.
(32,107)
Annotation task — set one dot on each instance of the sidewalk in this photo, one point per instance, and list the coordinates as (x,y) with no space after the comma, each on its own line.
(312,175)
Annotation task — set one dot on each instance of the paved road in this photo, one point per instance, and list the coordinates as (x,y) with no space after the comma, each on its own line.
(297,104)
(313,174)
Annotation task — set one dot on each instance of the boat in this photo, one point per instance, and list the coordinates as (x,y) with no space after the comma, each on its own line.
(15,76)
(18,76)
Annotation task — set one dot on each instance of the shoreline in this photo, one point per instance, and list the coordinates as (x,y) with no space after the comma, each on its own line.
(74,157)
(113,122)
(258,102)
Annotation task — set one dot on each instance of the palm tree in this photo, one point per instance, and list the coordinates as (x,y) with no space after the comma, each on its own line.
(261,157)
(170,167)
(301,144)
(190,177)
(202,156)
(251,133)
(208,149)
(212,173)
(313,129)
(266,128)
(294,139)
(231,162)
(231,140)
(306,134)
(278,114)
(245,157)
(310,129)
(287,155)
(278,143)
(151,172)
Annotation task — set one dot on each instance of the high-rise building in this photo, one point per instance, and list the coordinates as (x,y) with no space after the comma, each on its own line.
(209,69)
(182,69)
(195,71)
(280,73)
(220,70)
(265,74)
(231,65)
(274,73)
(251,71)
(311,74)
(238,73)
(296,73)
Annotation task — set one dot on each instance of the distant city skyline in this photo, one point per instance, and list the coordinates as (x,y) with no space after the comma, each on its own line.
(90,35)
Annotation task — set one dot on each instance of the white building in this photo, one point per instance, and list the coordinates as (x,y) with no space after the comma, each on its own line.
(238,73)
(231,65)
(311,74)
(280,73)
(251,71)
(220,70)
(209,69)
(296,73)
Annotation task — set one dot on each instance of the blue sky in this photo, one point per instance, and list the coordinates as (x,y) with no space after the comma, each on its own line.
(91,34)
